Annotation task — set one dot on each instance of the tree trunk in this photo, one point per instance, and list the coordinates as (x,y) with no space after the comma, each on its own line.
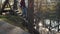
(30,17)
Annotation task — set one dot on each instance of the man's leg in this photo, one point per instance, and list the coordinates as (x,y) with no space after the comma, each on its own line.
(24,11)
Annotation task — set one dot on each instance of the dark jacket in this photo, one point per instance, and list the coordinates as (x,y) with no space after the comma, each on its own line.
(22,3)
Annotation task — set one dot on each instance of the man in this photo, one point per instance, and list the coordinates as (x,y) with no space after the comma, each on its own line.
(23,6)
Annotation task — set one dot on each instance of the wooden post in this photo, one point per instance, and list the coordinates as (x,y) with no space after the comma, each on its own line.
(15,5)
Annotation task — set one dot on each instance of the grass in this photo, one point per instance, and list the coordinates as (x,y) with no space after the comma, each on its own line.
(14,20)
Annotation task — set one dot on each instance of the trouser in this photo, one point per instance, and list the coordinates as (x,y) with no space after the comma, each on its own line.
(24,9)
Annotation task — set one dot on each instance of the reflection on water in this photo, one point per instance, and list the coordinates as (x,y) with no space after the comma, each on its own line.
(51,26)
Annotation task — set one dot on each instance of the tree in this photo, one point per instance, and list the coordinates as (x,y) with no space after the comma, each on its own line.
(30,15)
